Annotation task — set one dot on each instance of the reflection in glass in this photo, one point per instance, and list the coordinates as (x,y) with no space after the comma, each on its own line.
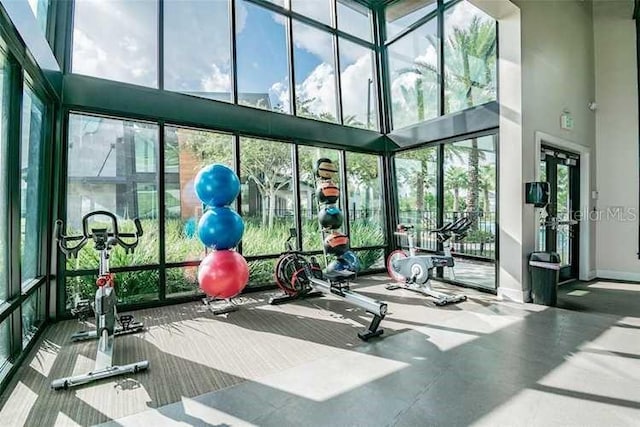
(197,48)
(32,137)
(182,282)
(187,151)
(354,18)
(4,116)
(470,187)
(40,10)
(469,57)
(307,157)
(5,349)
(314,64)
(320,10)
(33,315)
(117,40)
(112,167)
(357,85)
(413,76)
(262,58)
(366,207)
(261,272)
(417,177)
(400,15)
(267,195)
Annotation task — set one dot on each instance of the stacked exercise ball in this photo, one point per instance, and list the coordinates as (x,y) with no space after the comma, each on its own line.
(224,272)
(330,218)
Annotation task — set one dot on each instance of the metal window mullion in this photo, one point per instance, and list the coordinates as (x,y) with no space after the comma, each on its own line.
(441,64)
(391,200)
(14,142)
(63,165)
(234,52)
(162,286)
(292,72)
(382,68)
(295,175)
(345,194)
(336,52)
(160,44)
(237,166)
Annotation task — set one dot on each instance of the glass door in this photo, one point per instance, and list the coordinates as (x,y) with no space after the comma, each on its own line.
(559,225)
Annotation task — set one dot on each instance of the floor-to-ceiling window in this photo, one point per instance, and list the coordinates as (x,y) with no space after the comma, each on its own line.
(465,171)
(112,166)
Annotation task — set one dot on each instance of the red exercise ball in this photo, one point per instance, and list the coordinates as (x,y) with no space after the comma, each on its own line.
(223,274)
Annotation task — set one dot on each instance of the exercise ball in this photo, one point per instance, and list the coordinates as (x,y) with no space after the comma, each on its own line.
(352,260)
(336,243)
(327,192)
(217,185)
(223,274)
(330,217)
(338,266)
(325,168)
(220,228)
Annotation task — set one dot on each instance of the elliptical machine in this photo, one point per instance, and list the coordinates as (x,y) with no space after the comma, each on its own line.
(104,306)
(414,272)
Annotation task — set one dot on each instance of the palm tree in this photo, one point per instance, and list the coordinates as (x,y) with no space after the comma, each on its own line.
(487,184)
(470,59)
(456,179)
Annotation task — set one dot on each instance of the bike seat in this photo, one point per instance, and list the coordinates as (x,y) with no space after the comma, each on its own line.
(340,275)
(405,227)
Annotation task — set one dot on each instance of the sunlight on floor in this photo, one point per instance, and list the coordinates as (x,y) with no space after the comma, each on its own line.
(22,399)
(64,420)
(332,376)
(615,286)
(207,414)
(532,407)
(578,293)
(306,311)
(130,395)
(45,358)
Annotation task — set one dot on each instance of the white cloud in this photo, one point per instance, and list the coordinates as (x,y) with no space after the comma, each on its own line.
(355,84)
(217,81)
(279,92)
(319,88)
(314,41)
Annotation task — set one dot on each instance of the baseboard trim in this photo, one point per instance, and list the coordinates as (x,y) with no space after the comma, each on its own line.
(515,295)
(592,275)
(618,275)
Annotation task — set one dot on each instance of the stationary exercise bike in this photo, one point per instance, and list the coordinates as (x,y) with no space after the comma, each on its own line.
(104,306)
(414,272)
(301,278)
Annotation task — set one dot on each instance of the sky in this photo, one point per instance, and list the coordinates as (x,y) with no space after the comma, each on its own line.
(118,40)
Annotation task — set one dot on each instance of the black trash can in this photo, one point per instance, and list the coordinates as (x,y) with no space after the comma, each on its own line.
(544,268)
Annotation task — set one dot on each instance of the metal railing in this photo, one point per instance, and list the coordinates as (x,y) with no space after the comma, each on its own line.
(480,240)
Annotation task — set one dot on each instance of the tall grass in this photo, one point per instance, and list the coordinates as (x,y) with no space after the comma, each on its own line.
(181,246)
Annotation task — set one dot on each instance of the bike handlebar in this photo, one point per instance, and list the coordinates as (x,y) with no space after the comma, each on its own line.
(89,233)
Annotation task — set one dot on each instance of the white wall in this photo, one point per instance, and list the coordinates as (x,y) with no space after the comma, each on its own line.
(546,56)
(616,138)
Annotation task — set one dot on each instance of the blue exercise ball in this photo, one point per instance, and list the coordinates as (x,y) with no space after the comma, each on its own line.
(220,228)
(352,259)
(217,185)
